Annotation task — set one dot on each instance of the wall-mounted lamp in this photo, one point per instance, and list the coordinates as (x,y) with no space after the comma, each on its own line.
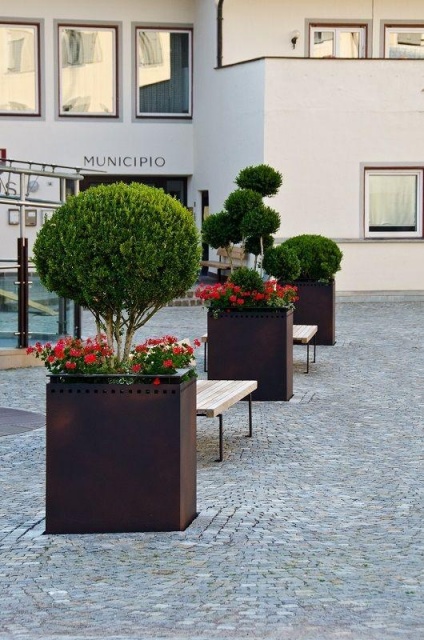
(294,38)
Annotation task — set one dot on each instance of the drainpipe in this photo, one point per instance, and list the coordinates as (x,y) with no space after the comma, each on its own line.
(219,19)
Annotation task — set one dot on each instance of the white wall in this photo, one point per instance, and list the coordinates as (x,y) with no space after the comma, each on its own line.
(255,28)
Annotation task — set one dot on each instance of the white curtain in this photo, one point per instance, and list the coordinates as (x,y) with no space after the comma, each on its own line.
(393,201)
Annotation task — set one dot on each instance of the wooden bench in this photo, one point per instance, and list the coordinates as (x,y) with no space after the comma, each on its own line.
(302,334)
(213,397)
(238,257)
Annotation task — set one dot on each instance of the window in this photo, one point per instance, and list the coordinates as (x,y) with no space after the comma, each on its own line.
(19,69)
(163,73)
(393,203)
(327,41)
(87,71)
(404,42)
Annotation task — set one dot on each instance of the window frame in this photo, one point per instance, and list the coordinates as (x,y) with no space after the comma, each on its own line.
(89,26)
(142,115)
(418,172)
(36,112)
(399,28)
(339,27)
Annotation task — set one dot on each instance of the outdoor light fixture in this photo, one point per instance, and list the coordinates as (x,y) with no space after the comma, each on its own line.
(294,38)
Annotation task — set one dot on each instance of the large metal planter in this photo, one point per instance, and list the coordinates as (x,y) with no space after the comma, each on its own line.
(255,344)
(317,305)
(120,458)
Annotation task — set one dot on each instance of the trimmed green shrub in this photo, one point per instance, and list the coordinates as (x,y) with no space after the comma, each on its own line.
(320,257)
(261,178)
(121,251)
(241,201)
(247,279)
(282,263)
(220,230)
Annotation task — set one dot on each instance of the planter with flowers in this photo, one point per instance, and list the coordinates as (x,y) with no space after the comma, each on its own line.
(121,419)
(250,332)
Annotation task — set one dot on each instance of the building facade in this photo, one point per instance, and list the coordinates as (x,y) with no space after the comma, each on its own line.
(183,94)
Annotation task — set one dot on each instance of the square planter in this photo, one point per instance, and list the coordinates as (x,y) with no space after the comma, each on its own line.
(120,457)
(317,305)
(256,344)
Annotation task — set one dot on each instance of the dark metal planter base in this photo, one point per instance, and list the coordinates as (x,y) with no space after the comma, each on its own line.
(120,458)
(316,305)
(253,345)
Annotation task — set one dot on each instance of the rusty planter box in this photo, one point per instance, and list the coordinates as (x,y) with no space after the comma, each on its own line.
(120,458)
(255,344)
(317,305)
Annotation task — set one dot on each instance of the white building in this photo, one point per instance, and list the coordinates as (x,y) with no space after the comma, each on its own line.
(185,93)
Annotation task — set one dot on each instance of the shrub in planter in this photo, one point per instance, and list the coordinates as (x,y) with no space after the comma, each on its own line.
(123,252)
(246,218)
(320,257)
(128,417)
(282,262)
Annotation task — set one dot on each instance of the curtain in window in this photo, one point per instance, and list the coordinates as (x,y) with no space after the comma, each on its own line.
(393,201)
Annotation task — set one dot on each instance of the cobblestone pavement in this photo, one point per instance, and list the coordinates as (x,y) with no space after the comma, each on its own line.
(311,530)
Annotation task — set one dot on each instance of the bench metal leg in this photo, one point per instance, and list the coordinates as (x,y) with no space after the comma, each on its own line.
(205,361)
(250,416)
(315,348)
(221,434)
(307,357)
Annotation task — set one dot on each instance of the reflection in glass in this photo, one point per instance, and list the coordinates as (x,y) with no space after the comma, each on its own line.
(87,71)
(19,69)
(163,72)
(405,44)
(323,44)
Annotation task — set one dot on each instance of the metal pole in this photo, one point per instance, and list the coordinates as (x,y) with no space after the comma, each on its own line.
(23,293)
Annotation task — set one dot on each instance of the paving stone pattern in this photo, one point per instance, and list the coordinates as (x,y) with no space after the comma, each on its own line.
(311,530)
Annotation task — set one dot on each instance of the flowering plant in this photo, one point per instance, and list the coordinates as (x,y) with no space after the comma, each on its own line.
(228,295)
(155,357)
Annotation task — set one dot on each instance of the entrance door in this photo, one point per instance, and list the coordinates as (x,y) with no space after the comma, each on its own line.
(174,186)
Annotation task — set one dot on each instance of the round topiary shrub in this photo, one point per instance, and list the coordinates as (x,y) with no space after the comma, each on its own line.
(247,279)
(121,251)
(221,230)
(282,263)
(320,257)
(261,178)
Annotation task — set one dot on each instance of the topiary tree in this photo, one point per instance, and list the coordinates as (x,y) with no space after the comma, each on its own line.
(320,257)
(121,251)
(248,219)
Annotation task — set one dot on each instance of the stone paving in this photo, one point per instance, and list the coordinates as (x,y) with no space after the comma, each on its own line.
(311,530)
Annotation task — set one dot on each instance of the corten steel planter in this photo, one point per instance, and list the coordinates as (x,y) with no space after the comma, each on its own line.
(120,457)
(255,344)
(317,305)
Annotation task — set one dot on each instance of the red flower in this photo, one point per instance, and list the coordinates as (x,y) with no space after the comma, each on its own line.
(168,364)
(90,358)
(136,368)
(51,358)
(70,365)
(156,381)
